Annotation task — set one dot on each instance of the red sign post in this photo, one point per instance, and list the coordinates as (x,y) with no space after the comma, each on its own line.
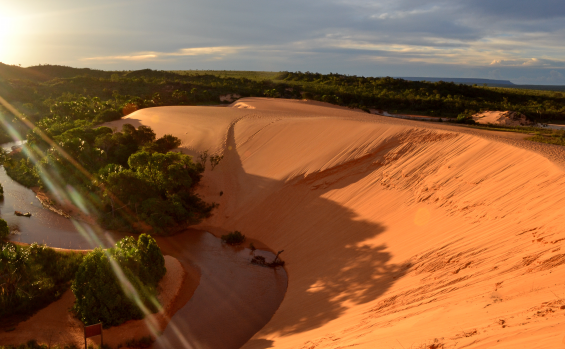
(91,331)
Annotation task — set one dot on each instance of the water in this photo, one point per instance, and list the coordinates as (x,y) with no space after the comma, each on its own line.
(233,301)
(44,226)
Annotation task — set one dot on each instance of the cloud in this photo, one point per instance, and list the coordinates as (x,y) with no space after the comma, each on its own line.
(351,36)
(200,51)
(530,62)
(138,57)
(217,52)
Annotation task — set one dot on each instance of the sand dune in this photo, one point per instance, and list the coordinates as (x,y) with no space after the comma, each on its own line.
(397,234)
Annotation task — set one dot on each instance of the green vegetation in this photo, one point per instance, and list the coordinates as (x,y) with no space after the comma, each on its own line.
(4,230)
(237,74)
(126,178)
(433,99)
(33,276)
(113,286)
(557,138)
(234,238)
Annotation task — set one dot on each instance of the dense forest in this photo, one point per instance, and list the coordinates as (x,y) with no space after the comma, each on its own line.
(101,95)
(426,98)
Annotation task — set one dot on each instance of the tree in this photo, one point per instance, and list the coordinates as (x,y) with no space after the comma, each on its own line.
(119,284)
(167,143)
(4,230)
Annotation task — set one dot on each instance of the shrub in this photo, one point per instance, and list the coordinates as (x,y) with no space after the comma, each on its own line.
(108,115)
(119,284)
(4,230)
(167,143)
(33,277)
(234,238)
(215,160)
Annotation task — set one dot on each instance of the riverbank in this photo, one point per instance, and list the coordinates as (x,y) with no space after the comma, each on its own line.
(55,325)
(48,202)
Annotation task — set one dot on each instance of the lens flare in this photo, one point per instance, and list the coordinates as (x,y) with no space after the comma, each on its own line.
(57,184)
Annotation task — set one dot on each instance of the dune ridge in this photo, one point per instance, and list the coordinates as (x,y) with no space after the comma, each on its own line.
(396,233)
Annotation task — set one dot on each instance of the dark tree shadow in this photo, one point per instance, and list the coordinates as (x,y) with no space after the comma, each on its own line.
(331,266)
(261,343)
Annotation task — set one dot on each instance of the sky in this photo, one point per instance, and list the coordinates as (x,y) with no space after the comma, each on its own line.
(517,40)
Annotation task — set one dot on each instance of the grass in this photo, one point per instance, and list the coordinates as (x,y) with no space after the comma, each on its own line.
(549,139)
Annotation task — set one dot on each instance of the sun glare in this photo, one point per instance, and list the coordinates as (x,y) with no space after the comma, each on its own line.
(6,37)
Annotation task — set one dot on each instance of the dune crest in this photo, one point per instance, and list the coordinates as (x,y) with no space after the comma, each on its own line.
(396,233)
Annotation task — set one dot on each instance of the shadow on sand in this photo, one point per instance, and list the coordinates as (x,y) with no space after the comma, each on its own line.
(330,265)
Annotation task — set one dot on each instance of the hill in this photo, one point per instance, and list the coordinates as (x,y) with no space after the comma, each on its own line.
(48,72)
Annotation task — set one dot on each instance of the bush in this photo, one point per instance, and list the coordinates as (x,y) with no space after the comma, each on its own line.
(33,277)
(167,143)
(119,284)
(466,117)
(234,238)
(4,230)
(108,115)
(22,170)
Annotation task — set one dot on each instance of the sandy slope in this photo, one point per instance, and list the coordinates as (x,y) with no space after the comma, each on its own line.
(397,234)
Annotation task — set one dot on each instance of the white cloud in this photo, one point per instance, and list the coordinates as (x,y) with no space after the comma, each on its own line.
(528,62)
(218,52)
(135,57)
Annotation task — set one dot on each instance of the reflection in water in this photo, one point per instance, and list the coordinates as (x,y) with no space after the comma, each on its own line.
(233,301)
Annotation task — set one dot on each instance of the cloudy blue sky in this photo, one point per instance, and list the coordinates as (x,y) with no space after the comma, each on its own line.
(518,40)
